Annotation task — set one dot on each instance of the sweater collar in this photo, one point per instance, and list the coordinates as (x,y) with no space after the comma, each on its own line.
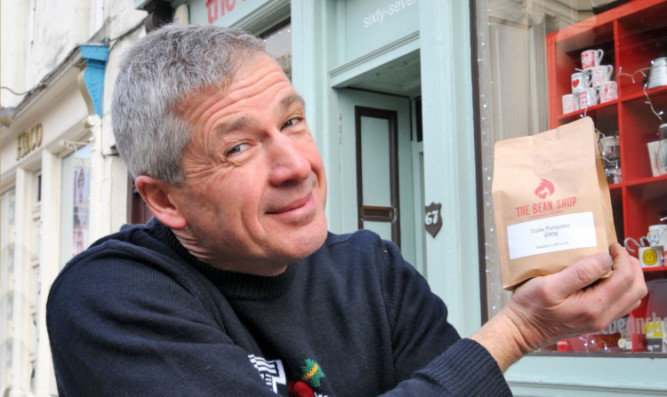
(231,284)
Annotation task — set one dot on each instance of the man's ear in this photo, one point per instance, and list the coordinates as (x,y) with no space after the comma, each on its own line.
(159,196)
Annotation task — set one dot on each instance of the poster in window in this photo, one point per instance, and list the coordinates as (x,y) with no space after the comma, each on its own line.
(81,209)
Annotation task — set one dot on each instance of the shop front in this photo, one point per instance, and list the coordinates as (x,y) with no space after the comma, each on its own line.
(48,198)
(542,64)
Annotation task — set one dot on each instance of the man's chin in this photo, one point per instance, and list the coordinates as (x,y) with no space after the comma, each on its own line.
(307,243)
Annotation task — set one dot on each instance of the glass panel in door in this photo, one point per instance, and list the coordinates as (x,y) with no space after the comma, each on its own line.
(377,172)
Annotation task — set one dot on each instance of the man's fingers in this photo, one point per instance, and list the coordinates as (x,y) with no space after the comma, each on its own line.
(618,252)
(558,305)
(625,263)
(627,285)
(583,273)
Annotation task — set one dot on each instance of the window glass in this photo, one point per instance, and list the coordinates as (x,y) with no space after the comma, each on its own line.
(278,43)
(7,278)
(75,207)
(528,55)
(38,197)
(7,230)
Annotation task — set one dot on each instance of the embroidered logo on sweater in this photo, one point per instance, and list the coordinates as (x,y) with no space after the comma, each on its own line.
(312,373)
(273,374)
(272,371)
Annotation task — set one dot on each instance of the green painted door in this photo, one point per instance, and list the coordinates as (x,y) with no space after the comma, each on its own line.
(379,168)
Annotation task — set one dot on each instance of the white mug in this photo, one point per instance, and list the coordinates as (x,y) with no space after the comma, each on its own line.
(608,91)
(588,97)
(570,103)
(657,235)
(579,81)
(601,74)
(591,58)
(651,256)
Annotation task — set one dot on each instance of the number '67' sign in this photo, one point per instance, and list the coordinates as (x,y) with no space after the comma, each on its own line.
(432,218)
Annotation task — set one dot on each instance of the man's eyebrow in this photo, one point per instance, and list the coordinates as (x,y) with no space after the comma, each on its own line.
(233,125)
(243,121)
(286,102)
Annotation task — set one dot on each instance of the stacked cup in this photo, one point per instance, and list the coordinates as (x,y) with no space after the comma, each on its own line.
(579,81)
(603,89)
(592,84)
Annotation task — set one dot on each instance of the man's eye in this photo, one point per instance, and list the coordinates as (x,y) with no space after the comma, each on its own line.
(290,123)
(237,148)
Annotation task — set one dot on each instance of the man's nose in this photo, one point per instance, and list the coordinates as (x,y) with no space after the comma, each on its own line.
(287,159)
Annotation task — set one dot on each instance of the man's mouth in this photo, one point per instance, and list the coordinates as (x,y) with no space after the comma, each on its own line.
(295,205)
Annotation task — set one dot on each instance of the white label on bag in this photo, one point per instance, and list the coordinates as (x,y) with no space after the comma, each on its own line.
(555,233)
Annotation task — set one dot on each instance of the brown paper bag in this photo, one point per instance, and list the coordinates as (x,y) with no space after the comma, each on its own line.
(551,201)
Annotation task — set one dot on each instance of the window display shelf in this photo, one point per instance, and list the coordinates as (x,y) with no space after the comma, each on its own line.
(648,181)
(655,269)
(651,92)
(659,181)
(590,111)
(631,36)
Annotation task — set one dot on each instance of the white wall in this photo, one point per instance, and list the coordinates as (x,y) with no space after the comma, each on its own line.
(13,40)
(37,35)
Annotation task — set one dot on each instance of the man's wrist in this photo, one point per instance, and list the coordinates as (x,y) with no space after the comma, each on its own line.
(503,339)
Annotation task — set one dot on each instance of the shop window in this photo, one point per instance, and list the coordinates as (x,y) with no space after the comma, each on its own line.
(75,203)
(526,56)
(278,41)
(38,196)
(7,278)
(7,231)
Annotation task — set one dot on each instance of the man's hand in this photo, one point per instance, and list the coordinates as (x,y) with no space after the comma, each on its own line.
(571,302)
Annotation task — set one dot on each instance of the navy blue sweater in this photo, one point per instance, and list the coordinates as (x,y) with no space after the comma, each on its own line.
(138,315)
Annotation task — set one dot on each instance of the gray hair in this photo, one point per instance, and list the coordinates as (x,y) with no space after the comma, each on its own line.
(161,69)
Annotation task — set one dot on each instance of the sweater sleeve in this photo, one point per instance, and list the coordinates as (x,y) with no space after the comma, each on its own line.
(429,356)
(120,328)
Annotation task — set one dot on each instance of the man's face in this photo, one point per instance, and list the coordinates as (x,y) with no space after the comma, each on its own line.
(255,188)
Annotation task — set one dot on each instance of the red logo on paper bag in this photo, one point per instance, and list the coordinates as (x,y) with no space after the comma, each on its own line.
(546,207)
(544,189)
(575,83)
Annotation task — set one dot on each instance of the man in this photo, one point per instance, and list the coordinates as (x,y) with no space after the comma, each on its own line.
(236,288)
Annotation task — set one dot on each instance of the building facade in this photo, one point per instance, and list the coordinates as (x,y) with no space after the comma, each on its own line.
(405,99)
(63,185)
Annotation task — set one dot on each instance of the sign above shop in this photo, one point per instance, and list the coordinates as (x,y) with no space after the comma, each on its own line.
(393,8)
(379,22)
(29,140)
(221,12)
(218,8)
